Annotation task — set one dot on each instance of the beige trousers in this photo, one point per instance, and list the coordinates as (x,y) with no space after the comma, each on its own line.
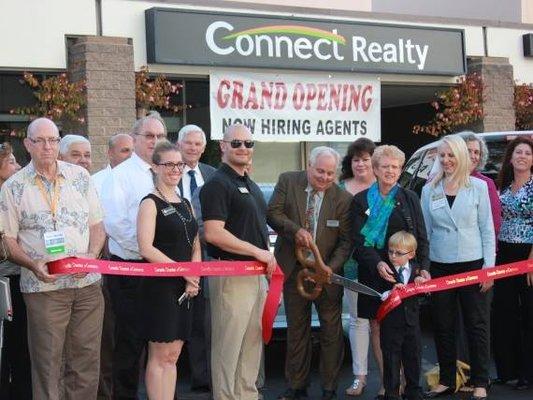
(65,321)
(236,341)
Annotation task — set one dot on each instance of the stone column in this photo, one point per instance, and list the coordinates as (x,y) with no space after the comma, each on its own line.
(498,93)
(106,64)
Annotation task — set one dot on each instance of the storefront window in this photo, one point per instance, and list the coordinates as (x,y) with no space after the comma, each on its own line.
(14,94)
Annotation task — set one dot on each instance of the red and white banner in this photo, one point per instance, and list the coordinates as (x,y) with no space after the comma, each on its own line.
(296,108)
(452,282)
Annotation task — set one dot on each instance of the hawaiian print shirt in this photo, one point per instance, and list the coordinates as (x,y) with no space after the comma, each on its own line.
(26,215)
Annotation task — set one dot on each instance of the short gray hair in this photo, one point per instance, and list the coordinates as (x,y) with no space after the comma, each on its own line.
(470,136)
(69,140)
(183,132)
(321,151)
(138,125)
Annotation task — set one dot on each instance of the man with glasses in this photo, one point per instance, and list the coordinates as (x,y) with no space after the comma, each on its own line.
(50,210)
(307,206)
(121,195)
(234,214)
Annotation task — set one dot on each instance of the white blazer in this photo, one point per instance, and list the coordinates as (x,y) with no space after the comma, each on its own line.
(465,231)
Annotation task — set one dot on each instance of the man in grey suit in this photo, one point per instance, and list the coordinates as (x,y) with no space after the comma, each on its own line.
(192,142)
(308,206)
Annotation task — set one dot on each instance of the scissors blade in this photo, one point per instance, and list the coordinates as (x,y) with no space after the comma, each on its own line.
(354,286)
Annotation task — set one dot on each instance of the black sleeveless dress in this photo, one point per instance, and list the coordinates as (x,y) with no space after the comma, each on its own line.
(162,319)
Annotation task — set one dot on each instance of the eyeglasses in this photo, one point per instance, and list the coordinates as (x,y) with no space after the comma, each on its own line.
(395,253)
(169,165)
(43,141)
(151,136)
(235,144)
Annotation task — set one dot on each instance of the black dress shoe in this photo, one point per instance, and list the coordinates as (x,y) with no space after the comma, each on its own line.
(328,395)
(522,384)
(294,394)
(432,394)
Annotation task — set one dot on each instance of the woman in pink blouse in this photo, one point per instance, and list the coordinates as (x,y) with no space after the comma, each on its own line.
(478,152)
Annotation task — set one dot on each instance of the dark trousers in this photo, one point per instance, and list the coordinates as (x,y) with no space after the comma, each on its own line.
(513,318)
(105,384)
(124,293)
(298,357)
(199,342)
(473,305)
(400,345)
(15,383)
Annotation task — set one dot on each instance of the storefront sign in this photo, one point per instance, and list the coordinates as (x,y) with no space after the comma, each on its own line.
(241,40)
(295,108)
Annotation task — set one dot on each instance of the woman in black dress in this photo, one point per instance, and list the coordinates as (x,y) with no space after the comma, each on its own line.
(378,212)
(166,232)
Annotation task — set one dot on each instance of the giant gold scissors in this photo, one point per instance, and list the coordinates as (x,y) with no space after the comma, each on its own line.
(317,272)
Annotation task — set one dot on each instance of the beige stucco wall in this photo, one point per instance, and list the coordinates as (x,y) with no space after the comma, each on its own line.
(33,31)
(351,5)
(527,11)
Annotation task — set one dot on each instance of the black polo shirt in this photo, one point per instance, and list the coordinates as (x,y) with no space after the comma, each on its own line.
(237,200)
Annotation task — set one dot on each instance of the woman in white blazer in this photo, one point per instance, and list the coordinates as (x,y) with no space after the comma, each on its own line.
(460,230)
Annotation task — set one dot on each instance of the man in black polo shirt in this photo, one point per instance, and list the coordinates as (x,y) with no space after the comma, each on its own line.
(234,214)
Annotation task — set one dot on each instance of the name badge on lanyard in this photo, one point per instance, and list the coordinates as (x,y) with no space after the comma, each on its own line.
(54,242)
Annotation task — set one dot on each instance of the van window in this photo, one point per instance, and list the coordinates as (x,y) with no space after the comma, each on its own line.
(409,170)
(423,173)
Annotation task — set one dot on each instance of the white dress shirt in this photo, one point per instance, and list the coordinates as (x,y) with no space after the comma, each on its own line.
(121,195)
(100,177)
(186,180)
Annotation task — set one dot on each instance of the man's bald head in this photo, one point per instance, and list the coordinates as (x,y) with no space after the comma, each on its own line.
(120,148)
(41,124)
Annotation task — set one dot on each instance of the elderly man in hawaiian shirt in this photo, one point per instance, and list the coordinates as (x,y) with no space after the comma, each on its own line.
(50,210)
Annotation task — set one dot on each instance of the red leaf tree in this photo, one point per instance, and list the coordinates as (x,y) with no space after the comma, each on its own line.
(523,105)
(456,107)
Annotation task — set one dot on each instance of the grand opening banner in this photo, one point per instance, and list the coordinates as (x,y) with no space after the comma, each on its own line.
(296,107)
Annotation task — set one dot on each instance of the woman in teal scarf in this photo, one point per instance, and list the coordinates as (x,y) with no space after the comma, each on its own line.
(378,212)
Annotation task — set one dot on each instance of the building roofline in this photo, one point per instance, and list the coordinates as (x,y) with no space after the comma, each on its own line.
(337,13)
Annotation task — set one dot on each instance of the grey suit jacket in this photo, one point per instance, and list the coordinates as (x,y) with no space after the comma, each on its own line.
(286,215)
(465,231)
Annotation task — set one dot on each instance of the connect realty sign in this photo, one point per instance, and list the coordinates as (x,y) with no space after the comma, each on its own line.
(294,108)
(242,40)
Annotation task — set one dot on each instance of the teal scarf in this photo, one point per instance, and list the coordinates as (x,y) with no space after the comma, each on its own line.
(377,222)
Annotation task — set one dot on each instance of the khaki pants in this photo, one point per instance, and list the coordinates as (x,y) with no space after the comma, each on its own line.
(69,321)
(236,342)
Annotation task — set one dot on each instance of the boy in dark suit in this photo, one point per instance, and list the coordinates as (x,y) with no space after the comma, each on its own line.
(400,329)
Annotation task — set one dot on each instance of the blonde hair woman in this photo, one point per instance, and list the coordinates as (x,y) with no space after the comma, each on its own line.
(459,225)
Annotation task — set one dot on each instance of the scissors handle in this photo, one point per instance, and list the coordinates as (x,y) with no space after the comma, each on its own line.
(314,270)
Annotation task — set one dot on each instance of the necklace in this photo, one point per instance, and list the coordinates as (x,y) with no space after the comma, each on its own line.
(182,218)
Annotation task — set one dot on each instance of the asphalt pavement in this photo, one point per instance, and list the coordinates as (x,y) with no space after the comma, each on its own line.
(275,382)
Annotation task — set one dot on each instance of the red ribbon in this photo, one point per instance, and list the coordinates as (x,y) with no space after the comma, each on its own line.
(205,268)
(451,282)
